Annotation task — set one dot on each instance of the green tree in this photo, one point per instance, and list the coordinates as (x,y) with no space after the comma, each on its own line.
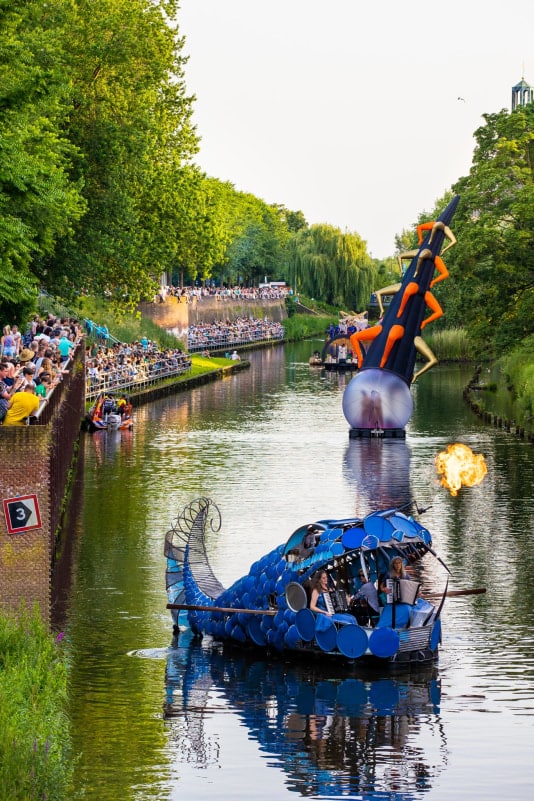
(131,122)
(258,237)
(491,288)
(38,200)
(496,228)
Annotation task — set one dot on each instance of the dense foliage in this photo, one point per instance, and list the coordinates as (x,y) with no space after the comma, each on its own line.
(491,289)
(34,729)
(98,189)
(333,266)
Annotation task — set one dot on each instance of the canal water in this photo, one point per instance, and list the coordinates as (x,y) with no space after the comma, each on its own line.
(153,718)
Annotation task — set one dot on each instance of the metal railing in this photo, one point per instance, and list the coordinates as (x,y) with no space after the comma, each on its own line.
(47,303)
(117,382)
(229,341)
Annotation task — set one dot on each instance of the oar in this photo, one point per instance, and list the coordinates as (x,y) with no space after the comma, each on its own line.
(224,609)
(456,593)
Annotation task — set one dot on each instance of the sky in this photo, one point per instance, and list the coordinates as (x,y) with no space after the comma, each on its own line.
(359,114)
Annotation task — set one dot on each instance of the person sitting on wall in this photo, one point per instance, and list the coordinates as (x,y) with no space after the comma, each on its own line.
(21,406)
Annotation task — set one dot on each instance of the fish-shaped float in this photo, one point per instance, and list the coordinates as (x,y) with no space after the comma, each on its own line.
(378,401)
(269,608)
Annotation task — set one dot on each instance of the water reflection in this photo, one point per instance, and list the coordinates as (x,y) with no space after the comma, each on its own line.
(382,737)
(379,469)
(107,444)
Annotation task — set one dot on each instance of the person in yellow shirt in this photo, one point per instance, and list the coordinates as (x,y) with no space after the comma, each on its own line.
(21,406)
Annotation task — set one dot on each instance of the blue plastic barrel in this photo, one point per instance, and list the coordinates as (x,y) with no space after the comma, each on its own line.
(326,635)
(305,623)
(255,632)
(292,637)
(352,641)
(352,538)
(238,634)
(384,642)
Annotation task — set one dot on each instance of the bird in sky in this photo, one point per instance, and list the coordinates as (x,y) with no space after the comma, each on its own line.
(461,98)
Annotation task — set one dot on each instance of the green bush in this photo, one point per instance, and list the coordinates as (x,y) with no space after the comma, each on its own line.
(517,367)
(34,729)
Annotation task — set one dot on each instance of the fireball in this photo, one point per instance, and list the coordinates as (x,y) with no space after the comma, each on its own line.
(460,467)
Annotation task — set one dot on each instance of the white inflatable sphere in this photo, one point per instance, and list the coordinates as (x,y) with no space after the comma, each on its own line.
(377,399)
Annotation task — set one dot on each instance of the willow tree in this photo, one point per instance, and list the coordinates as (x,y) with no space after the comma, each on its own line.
(332,266)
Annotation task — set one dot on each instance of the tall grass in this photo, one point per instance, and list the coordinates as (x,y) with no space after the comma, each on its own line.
(451,344)
(34,730)
(303,326)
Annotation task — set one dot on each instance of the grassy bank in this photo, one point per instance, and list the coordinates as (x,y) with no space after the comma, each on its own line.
(509,385)
(35,760)
(304,326)
(127,327)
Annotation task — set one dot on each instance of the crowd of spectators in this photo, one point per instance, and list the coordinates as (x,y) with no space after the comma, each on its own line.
(35,361)
(32,364)
(189,293)
(119,366)
(231,333)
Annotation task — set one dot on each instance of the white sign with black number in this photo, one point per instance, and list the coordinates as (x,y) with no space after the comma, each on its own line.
(22,514)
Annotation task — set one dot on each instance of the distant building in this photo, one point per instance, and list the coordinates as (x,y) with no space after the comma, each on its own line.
(522,94)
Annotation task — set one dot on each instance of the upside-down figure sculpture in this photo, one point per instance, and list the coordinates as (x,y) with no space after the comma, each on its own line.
(378,398)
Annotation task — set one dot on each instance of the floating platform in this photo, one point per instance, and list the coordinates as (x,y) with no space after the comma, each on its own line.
(340,367)
(377,433)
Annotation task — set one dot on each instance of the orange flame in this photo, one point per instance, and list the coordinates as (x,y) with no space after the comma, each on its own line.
(460,467)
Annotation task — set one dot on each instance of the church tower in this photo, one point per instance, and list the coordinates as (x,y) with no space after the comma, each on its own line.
(522,94)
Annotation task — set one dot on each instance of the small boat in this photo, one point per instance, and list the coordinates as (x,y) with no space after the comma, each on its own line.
(316,359)
(107,413)
(269,608)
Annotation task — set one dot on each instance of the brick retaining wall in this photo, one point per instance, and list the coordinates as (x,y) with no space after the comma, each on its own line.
(37,460)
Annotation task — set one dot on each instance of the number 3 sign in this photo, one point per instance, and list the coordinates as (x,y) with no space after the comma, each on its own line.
(22,514)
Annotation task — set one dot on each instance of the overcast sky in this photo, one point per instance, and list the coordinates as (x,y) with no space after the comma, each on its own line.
(348,110)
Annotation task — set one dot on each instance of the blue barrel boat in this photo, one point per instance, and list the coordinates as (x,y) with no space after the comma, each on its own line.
(269,608)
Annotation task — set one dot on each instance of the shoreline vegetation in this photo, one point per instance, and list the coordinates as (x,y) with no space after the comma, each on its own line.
(35,745)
